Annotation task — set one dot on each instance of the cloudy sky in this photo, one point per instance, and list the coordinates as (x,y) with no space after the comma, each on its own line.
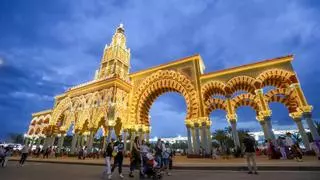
(48,46)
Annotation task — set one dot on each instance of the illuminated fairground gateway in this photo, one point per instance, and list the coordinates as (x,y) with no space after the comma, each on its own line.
(119,102)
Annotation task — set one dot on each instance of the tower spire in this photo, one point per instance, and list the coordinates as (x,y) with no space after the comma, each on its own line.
(116,57)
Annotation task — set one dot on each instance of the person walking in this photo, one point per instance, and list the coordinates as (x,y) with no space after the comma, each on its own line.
(7,155)
(296,152)
(24,155)
(249,144)
(80,153)
(135,156)
(282,147)
(85,152)
(47,152)
(144,149)
(166,156)
(118,159)
(289,145)
(158,152)
(108,156)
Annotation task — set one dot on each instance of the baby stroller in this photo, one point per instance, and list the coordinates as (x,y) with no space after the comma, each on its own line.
(151,168)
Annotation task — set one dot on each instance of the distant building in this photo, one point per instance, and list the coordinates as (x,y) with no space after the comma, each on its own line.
(171,140)
(258,135)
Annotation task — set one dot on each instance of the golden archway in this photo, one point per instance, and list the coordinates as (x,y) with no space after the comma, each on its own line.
(117,99)
(157,84)
(246,100)
(62,106)
(286,97)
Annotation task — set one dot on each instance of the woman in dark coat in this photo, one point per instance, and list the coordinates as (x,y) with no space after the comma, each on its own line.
(135,156)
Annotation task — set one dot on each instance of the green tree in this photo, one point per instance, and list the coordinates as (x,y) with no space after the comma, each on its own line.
(297,137)
(179,145)
(224,139)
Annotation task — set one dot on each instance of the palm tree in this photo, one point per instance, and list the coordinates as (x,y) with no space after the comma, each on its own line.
(224,138)
(297,137)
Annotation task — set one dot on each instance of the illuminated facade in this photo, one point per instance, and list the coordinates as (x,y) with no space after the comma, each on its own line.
(119,102)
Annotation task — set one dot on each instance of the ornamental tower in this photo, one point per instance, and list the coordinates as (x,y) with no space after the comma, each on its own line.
(115,61)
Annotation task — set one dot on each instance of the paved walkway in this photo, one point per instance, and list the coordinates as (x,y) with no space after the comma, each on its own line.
(181,162)
(49,171)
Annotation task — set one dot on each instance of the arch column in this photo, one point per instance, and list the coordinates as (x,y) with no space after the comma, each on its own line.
(133,134)
(205,134)
(190,149)
(90,139)
(141,133)
(264,116)
(204,141)
(312,127)
(60,142)
(147,130)
(74,143)
(111,123)
(51,140)
(264,127)
(45,143)
(83,140)
(104,143)
(110,131)
(38,141)
(79,142)
(232,119)
(297,117)
(302,101)
(189,124)
(209,138)
(196,138)
(267,120)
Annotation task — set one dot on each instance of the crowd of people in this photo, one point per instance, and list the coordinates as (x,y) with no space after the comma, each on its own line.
(149,161)
(287,148)
(156,160)
(7,152)
(284,147)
